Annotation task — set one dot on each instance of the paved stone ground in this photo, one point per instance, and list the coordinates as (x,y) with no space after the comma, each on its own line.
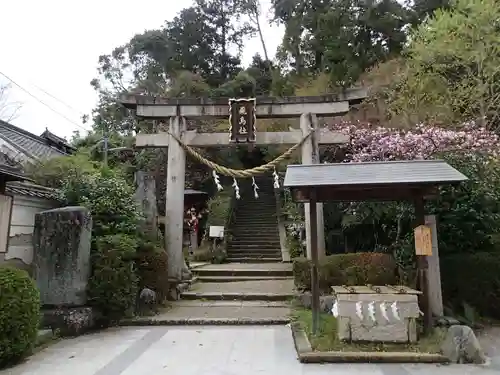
(248,266)
(222,310)
(284,287)
(490,343)
(266,350)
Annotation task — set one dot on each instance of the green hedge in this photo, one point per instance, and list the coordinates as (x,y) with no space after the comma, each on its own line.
(474,279)
(113,285)
(19,314)
(152,270)
(347,269)
(219,208)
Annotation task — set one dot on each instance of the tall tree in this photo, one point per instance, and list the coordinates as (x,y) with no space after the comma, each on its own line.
(342,37)
(426,8)
(254,11)
(200,42)
(453,66)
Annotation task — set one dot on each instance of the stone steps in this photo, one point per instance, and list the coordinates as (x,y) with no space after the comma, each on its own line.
(255,290)
(240,253)
(258,218)
(218,312)
(228,279)
(255,270)
(254,259)
(255,227)
(264,230)
(248,245)
(254,296)
(239,250)
(255,236)
(234,293)
(256,256)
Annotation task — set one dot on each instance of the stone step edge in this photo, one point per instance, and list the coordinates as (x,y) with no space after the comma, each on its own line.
(253,255)
(237,296)
(248,272)
(253,260)
(204,321)
(258,259)
(271,253)
(259,247)
(223,279)
(240,245)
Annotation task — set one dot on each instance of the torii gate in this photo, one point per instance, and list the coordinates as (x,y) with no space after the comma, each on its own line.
(308,108)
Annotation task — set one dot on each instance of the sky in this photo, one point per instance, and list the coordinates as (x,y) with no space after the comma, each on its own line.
(50,48)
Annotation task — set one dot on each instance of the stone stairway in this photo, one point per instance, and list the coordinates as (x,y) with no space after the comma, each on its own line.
(255,236)
(232,293)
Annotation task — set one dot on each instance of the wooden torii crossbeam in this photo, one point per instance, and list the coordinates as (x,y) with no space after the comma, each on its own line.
(307,108)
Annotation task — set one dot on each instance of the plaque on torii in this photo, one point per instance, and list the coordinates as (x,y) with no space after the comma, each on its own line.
(242,120)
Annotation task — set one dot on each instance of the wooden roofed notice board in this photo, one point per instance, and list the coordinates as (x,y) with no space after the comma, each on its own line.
(423,240)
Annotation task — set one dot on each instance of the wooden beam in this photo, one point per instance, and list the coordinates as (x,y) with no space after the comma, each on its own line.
(352,96)
(263,110)
(396,192)
(193,138)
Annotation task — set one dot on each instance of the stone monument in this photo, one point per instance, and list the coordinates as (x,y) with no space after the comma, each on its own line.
(61,267)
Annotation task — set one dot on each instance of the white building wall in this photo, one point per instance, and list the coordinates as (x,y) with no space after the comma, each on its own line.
(20,247)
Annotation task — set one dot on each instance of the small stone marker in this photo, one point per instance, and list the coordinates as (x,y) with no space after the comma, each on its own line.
(377,313)
(423,240)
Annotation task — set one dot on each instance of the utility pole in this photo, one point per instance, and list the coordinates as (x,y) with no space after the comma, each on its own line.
(105,140)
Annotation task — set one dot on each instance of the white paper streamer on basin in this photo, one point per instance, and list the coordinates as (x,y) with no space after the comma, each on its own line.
(383,311)
(371,310)
(395,310)
(359,310)
(335,309)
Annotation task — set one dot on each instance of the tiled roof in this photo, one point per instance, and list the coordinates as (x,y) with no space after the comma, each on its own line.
(372,173)
(10,170)
(32,145)
(31,190)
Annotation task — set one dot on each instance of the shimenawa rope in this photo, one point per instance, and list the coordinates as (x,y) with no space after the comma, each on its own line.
(241,173)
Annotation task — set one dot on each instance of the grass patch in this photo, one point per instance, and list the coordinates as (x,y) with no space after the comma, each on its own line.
(327,340)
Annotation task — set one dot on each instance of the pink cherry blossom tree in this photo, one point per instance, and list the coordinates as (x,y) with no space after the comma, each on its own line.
(368,143)
(468,212)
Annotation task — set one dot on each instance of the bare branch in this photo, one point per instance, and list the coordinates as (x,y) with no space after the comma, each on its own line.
(9,110)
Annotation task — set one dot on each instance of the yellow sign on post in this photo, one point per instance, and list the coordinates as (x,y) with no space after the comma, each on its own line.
(423,240)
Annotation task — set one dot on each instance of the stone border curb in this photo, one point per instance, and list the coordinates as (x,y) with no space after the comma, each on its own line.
(202,321)
(44,336)
(307,355)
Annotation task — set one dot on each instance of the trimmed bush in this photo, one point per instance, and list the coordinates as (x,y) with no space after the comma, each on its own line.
(474,279)
(152,270)
(113,285)
(19,314)
(346,269)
